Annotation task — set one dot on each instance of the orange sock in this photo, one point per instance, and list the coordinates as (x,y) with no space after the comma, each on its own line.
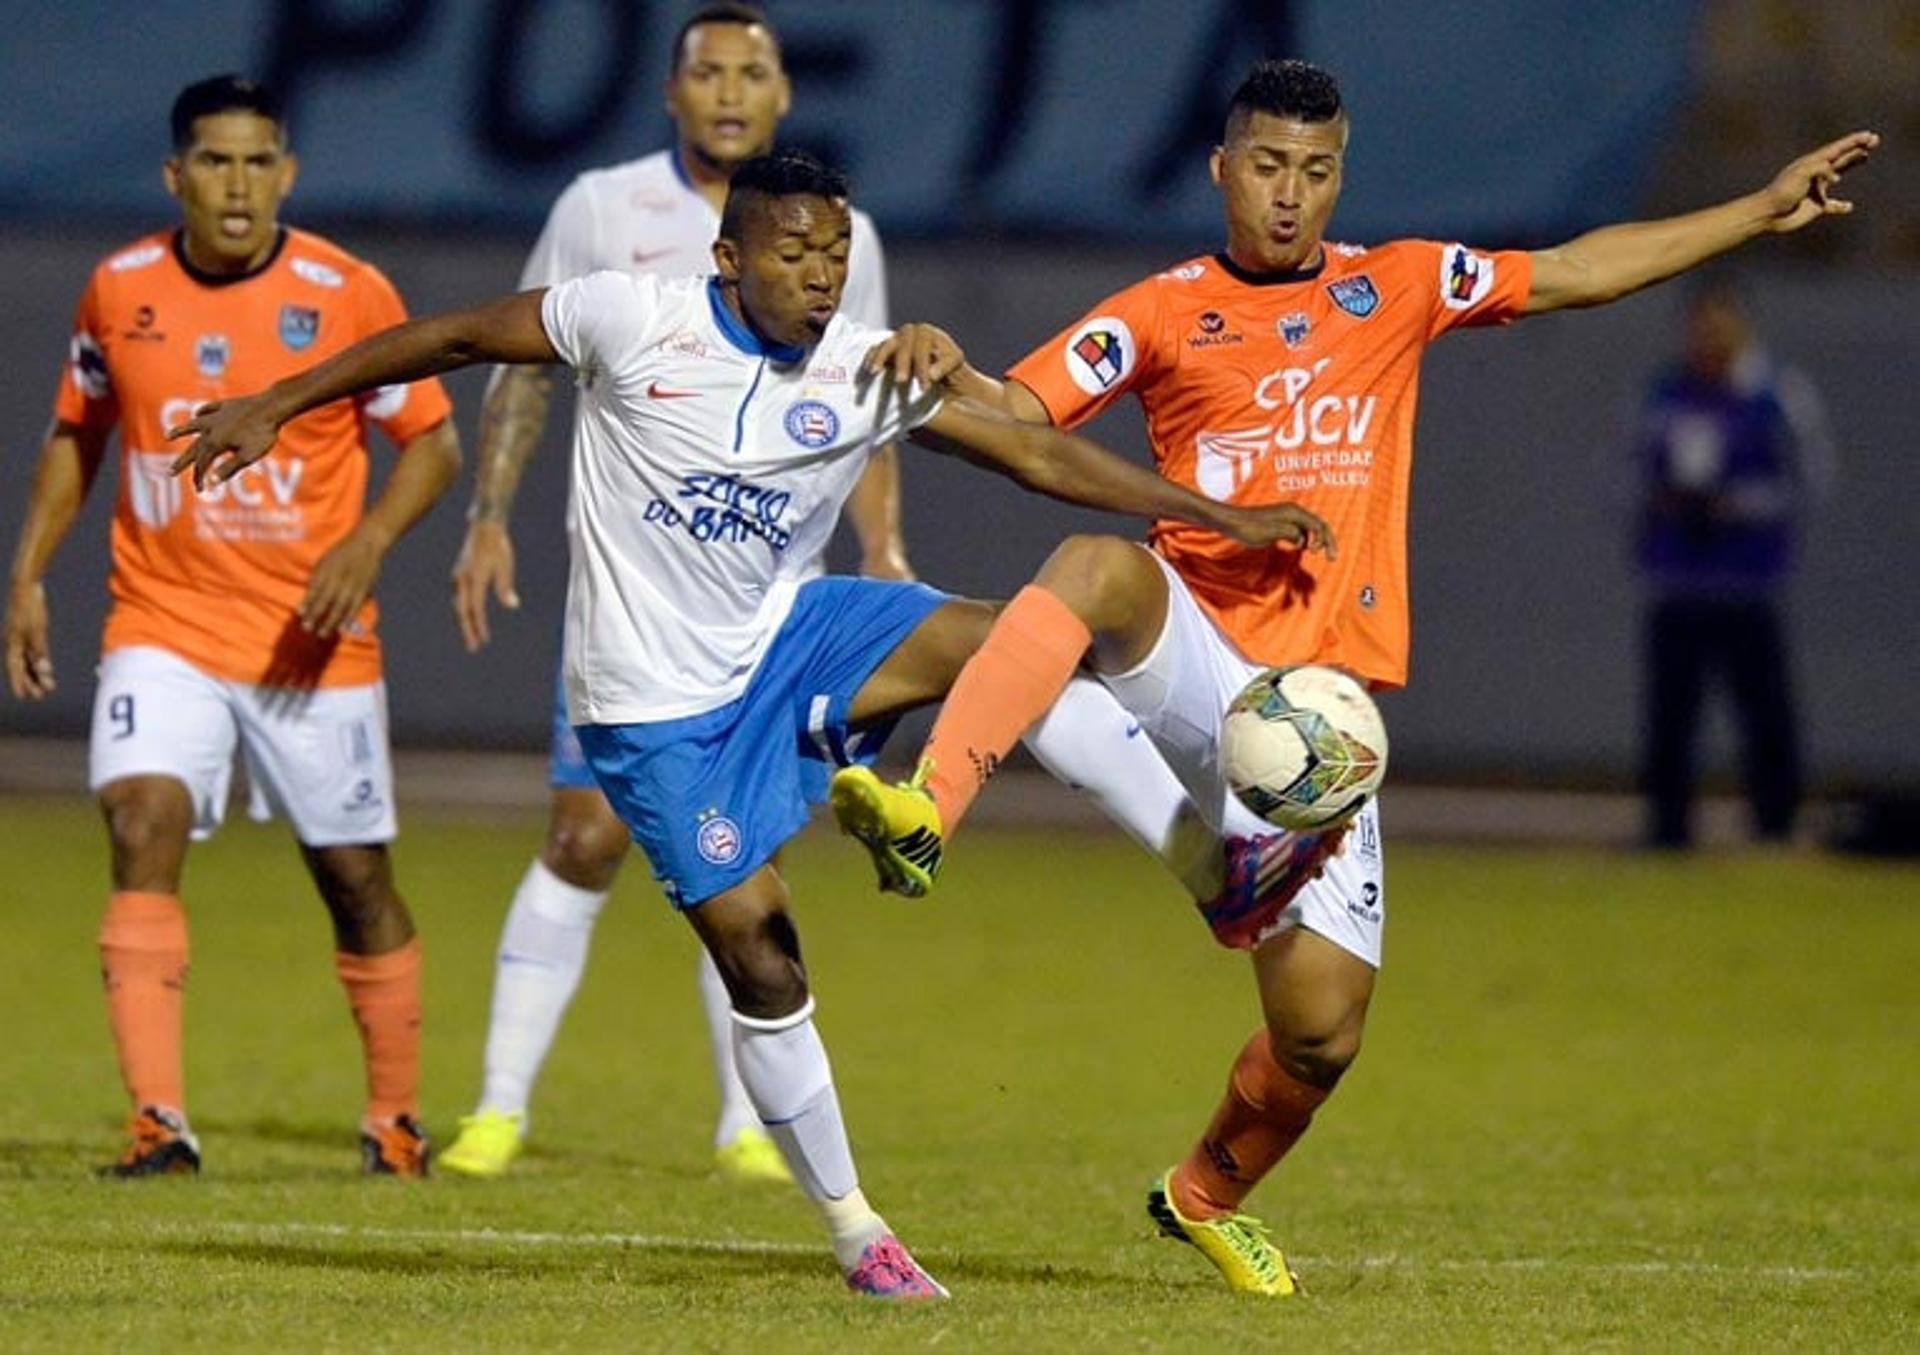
(143,963)
(1030,653)
(384,992)
(1264,1113)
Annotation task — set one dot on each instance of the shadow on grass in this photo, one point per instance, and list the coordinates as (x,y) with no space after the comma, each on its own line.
(660,1264)
(275,1129)
(37,1159)
(653,1265)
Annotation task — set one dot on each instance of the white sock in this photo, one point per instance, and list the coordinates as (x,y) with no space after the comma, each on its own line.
(784,1067)
(736,1110)
(543,949)
(1083,740)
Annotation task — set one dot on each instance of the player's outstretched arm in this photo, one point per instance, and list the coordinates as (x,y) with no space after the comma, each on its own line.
(70,459)
(1074,470)
(1608,263)
(233,434)
(343,578)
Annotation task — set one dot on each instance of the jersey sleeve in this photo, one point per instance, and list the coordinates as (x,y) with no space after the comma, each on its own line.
(403,412)
(568,243)
(1081,370)
(1464,286)
(865,299)
(86,396)
(600,322)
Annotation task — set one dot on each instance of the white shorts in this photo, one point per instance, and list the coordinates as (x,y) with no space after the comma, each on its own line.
(1179,693)
(318,757)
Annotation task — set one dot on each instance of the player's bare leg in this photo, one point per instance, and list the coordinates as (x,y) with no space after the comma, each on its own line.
(377,958)
(143,964)
(749,932)
(1314,996)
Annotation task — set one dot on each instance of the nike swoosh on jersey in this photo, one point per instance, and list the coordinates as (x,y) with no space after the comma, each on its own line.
(656,392)
(649,255)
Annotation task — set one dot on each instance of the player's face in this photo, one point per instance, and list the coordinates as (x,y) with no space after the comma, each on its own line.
(230,182)
(790,266)
(1280,178)
(728,93)
(1716,334)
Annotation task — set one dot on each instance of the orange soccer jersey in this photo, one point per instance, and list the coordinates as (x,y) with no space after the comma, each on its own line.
(1299,386)
(217,577)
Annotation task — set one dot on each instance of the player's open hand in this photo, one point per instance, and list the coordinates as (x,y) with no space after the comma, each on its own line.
(486,562)
(342,581)
(923,353)
(29,665)
(229,436)
(1803,191)
(1277,524)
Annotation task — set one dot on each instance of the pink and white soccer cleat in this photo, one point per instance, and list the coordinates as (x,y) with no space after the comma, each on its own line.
(886,1271)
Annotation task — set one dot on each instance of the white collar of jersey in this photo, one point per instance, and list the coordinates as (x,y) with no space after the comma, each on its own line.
(741,336)
(680,168)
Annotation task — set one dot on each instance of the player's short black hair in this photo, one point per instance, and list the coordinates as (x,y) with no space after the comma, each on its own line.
(724,12)
(1285,89)
(778,174)
(222,94)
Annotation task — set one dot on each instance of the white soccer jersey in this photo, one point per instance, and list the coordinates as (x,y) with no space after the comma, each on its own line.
(645,217)
(708,471)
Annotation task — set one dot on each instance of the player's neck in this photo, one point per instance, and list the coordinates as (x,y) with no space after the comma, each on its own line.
(209,266)
(1245,265)
(702,175)
(739,327)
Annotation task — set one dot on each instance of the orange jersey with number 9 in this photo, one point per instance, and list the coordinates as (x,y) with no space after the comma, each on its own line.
(217,577)
(1298,386)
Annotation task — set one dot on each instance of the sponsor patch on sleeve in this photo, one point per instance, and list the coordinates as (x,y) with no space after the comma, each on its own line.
(89,366)
(1100,354)
(1465,277)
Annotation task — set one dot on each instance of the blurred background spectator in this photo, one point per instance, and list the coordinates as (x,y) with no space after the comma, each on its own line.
(1733,446)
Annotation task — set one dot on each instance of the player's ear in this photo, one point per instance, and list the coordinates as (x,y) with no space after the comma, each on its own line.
(289,171)
(786,97)
(170,175)
(1217,164)
(726,259)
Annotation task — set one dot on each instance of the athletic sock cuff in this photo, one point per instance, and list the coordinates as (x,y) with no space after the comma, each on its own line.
(1048,624)
(770,1024)
(392,964)
(139,920)
(553,899)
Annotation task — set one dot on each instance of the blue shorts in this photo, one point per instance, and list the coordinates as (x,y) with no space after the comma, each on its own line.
(711,797)
(567,767)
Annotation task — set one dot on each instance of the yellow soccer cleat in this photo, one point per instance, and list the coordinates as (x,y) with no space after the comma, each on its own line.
(898,825)
(1236,1243)
(487,1142)
(751,1156)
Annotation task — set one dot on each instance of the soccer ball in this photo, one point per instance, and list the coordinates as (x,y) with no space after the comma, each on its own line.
(1304,748)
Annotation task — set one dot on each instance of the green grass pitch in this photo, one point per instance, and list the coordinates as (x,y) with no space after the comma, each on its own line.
(1607,1101)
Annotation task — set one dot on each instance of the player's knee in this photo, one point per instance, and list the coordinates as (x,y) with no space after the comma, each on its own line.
(757,952)
(1099,578)
(145,822)
(1087,564)
(583,847)
(355,881)
(1317,1053)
